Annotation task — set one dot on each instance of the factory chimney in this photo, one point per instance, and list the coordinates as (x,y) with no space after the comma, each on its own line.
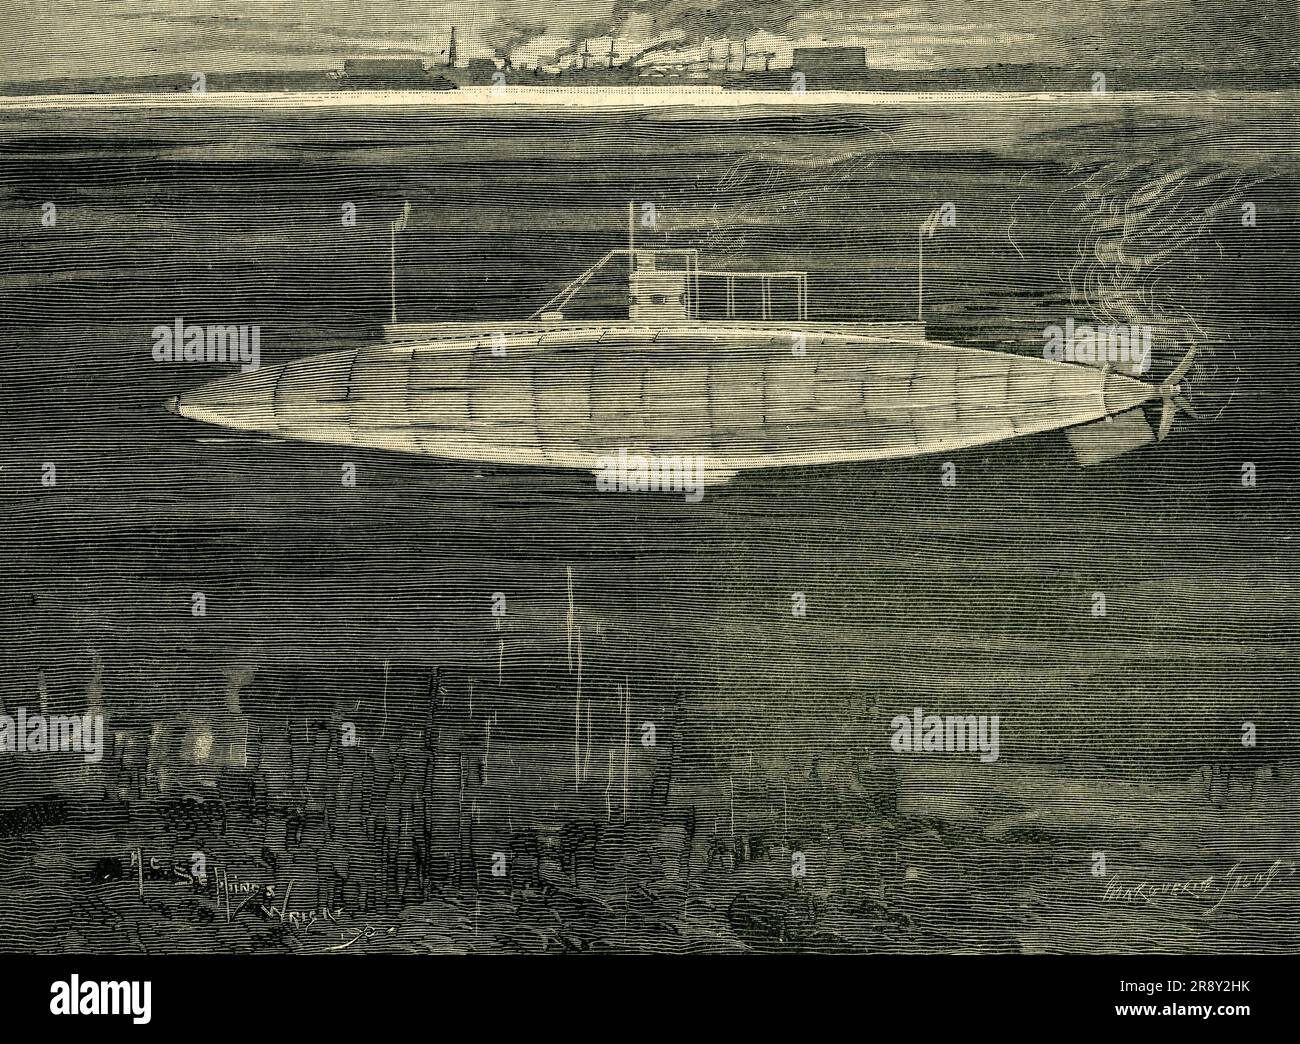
(451,50)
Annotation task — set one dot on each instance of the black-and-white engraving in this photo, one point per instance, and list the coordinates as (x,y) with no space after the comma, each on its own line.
(680,476)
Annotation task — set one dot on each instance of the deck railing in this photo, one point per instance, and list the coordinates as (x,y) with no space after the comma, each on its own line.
(693,275)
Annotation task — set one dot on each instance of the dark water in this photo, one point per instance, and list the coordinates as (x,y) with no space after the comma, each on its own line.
(975,599)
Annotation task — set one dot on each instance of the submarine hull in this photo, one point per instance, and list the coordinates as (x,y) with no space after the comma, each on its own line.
(735,397)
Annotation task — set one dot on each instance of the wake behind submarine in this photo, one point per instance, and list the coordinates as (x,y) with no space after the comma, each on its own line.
(730,392)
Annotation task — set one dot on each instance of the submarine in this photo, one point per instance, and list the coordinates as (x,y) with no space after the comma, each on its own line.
(733,392)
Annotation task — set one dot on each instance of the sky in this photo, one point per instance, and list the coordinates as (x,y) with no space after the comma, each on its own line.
(42,39)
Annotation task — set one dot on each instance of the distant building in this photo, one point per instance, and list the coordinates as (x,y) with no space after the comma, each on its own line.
(390,74)
(830,59)
(481,70)
(383,71)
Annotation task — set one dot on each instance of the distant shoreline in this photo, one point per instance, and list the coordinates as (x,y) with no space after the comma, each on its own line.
(710,96)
